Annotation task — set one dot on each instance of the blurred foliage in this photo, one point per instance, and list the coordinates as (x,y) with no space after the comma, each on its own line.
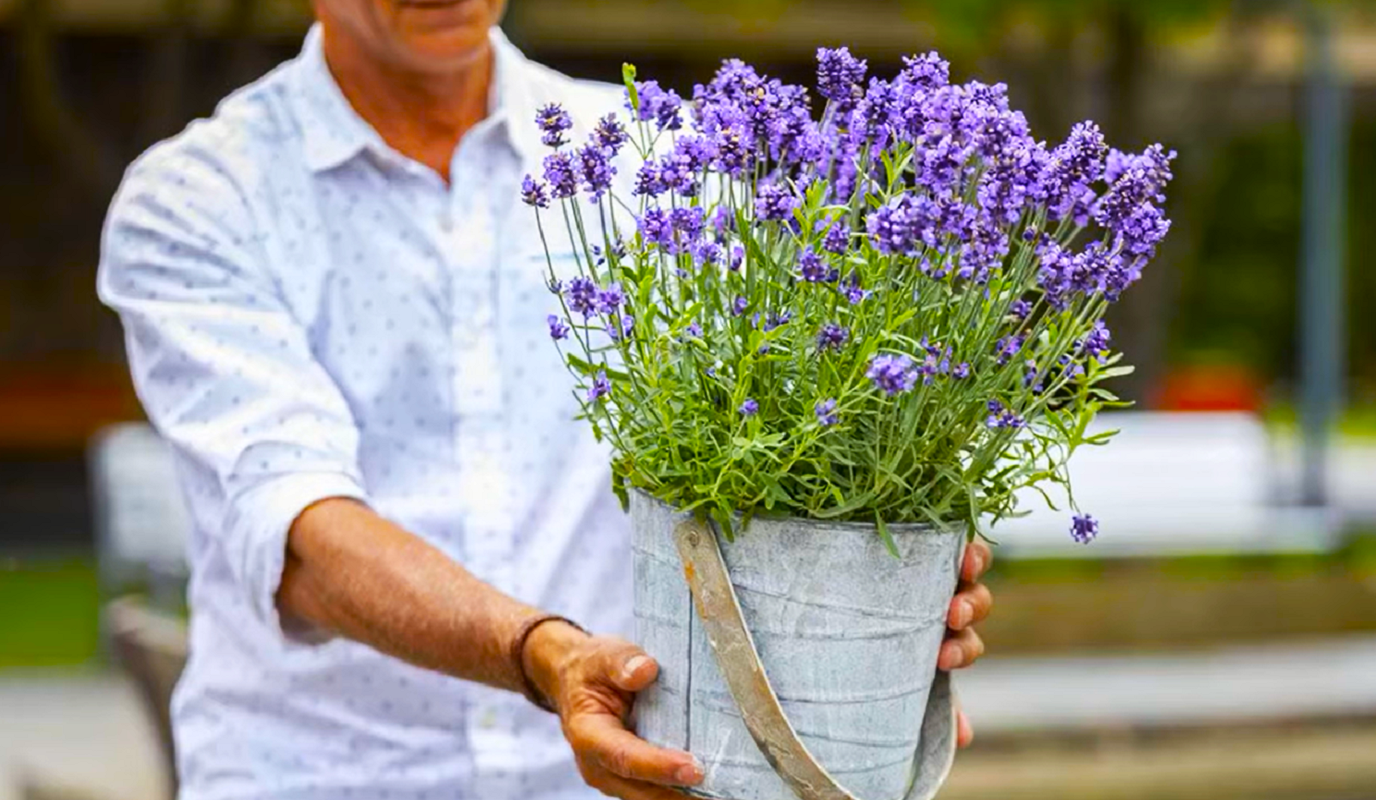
(1238,289)
(1356,556)
(1237,294)
(967,23)
(50,611)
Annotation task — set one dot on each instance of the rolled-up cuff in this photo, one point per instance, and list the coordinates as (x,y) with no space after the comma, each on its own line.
(257,528)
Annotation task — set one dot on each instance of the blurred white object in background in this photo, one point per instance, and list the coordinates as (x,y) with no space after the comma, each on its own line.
(141,523)
(1172,484)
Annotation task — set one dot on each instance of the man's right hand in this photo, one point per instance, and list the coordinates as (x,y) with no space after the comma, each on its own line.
(592,681)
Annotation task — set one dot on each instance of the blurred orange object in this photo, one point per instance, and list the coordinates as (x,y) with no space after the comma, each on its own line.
(59,407)
(1210,387)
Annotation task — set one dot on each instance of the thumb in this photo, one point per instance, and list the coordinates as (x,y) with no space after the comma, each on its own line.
(627,667)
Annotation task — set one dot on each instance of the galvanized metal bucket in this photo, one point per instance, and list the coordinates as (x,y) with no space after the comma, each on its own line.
(800,659)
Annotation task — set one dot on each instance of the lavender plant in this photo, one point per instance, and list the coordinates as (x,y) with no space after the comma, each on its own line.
(891,313)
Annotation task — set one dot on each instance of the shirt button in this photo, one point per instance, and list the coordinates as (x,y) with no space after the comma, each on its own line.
(488,720)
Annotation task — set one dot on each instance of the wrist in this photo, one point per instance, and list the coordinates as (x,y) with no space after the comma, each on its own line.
(547,649)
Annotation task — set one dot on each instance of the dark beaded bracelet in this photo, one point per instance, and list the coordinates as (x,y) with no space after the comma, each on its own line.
(518,649)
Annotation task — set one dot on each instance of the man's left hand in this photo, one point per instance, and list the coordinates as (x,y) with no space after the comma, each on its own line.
(969,607)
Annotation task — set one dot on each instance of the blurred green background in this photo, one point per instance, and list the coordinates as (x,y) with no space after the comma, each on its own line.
(1215,325)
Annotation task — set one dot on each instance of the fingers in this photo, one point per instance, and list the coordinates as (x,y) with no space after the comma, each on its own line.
(971,605)
(978,557)
(960,649)
(600,739)
(627,667)
(616,786)
(965,732)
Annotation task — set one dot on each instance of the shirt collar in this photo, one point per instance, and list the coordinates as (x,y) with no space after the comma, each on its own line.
(333,131)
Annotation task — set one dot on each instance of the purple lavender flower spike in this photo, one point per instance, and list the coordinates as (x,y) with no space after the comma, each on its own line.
(837,239)
(610,135)
(689,222)
(1019,310)
(840,77)
(936,360)
(723,223)
(706,254)
(776,320)
(1137,184)
(737,258)
(749,408)
(961,371)
(812,268)
(688,225)
(609,300)
(894,374)
(844,169)
(774,202)
(581,296)
(558,330)
(889,226)
(600,388)
(658,105)
(1084,528)
(1154,162)
(656,228)
(832,337)
(826,413)
(534,193)
(560,173)
(1143,230)
(1008,347)
(734,156)
(1001,418)
(1072,169)
(553,120)
(928,71)
(596,171)
(622,331)
(648,181)
(739,306)
(854,294)
(874,117)
(910,221)
(995,409)
(1096,342)
(694,330)
(680,169)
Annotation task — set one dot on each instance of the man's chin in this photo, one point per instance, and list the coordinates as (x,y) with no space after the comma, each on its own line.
(442,49)
(442,18)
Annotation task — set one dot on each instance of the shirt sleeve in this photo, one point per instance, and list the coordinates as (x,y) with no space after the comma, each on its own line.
(223,368)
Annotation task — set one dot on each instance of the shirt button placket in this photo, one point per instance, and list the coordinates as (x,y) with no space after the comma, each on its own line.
(478,395)
(478,390)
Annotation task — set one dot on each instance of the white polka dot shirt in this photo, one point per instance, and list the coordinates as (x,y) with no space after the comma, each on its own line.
(309,314)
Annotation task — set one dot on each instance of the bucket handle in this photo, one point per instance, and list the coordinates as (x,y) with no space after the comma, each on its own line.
(739,660)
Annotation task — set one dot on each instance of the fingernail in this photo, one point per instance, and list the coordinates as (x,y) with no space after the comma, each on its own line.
(632,666)
(965,614)
(690,774)
(979,562)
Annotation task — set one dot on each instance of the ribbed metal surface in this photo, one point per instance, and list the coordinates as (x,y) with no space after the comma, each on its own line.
(847,633)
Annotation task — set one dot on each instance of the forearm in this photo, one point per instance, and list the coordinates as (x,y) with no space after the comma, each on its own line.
(355,574)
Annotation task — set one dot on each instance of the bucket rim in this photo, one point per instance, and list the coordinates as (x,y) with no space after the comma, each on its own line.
(821,525)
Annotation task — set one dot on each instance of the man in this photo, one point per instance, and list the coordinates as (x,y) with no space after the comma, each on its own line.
(332,299)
